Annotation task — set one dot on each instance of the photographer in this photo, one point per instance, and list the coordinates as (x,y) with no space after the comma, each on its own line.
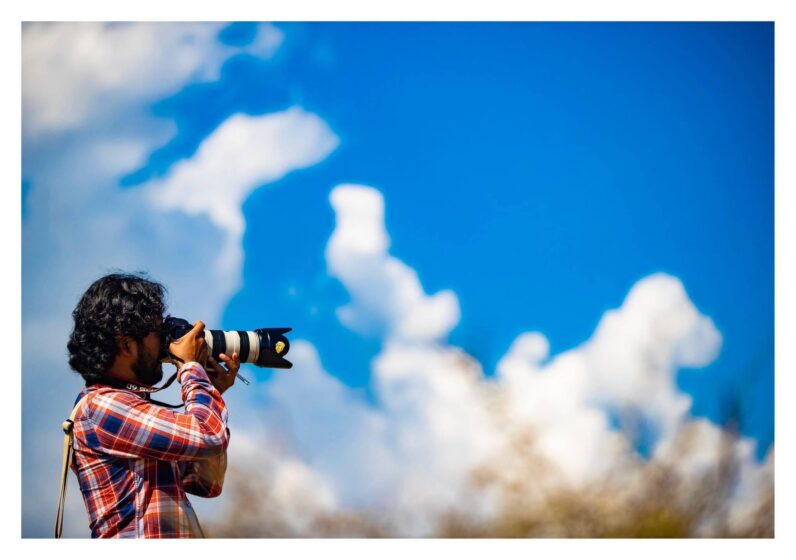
(136,460)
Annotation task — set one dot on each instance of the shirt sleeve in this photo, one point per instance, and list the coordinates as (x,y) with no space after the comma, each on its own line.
(123,424)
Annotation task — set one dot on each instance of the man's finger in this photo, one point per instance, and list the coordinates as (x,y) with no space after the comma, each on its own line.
(233,364)
(227,359)
(198,327)
(216,366)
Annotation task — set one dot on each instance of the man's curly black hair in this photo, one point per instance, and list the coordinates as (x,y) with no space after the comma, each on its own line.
(113,306)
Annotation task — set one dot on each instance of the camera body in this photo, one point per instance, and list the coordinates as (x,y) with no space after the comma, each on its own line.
(262,347)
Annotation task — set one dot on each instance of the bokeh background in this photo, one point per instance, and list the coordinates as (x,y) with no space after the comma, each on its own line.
(529,266)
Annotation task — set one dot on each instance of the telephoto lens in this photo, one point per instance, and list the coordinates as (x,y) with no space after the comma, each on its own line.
(262,347)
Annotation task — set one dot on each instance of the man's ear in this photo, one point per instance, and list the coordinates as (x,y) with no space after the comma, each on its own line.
(127,346)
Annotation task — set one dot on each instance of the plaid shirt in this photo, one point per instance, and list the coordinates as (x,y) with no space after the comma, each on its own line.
(135,460)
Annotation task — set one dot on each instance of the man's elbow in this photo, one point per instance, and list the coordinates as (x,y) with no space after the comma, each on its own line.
(215,444)
(215,490)
(204,489)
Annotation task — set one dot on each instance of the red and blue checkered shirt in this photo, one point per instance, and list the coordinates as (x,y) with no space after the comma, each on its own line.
(135,460)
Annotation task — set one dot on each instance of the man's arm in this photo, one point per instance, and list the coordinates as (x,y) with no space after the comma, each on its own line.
(125,425)
(205,477)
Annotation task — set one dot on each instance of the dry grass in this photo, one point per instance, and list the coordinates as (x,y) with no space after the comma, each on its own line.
(658,503)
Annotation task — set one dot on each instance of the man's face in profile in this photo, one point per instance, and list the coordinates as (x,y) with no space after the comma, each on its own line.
(148,367)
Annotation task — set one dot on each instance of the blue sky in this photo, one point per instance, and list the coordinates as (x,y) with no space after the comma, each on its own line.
(538,170)
(534,176)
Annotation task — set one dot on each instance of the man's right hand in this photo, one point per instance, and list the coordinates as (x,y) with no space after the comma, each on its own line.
(191,347)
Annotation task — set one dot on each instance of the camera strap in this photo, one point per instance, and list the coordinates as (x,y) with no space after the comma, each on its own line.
(145,390)
(68,453)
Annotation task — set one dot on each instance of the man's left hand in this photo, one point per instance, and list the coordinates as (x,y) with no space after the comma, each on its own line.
(223,377)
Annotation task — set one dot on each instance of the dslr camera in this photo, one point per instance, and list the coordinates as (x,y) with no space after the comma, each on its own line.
(262,347)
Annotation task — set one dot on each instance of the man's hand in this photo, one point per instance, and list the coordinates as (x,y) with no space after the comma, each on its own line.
(221,377)
(191,347)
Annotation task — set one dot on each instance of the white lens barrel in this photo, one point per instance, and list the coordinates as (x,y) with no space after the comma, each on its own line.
(254,347)
(231,341)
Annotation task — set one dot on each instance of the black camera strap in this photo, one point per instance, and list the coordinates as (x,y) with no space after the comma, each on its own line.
(145,390)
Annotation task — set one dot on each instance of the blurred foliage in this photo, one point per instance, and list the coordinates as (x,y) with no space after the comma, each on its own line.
(656,501)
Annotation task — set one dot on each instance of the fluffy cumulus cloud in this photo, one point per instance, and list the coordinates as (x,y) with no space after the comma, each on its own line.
(386,294)
(445,448)
(86,93)
(627,367)
(242,154)
(72,73)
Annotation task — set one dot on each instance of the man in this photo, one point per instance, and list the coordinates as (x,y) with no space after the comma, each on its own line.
(135,460)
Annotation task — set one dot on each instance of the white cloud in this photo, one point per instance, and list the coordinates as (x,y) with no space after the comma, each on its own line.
(385,293)
(242,154)
(74,72)
(627,367)
(637,350)
(266,42)
(304,401)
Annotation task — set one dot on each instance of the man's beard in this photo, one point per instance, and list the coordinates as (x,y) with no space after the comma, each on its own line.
(148,368)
